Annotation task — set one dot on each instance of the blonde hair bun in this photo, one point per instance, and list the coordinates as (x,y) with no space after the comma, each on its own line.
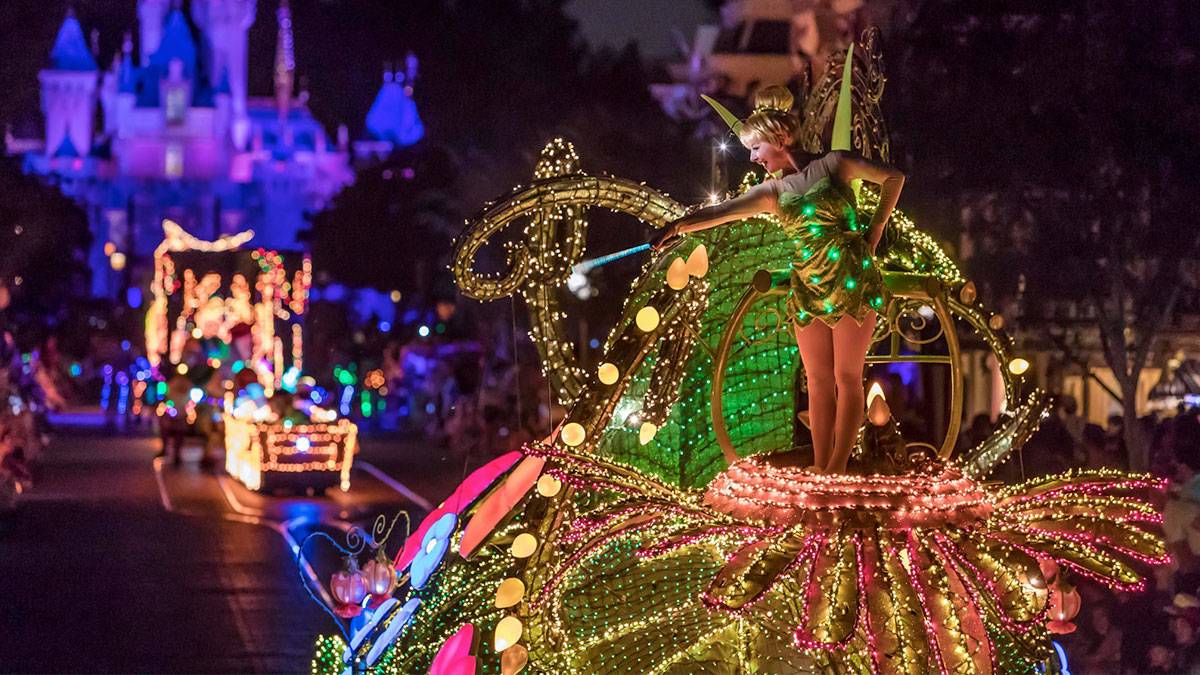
(773,120)
(773,97)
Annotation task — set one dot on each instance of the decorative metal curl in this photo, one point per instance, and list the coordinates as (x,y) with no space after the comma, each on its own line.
(580,190)
(908,322)
(761,328)
(554,241)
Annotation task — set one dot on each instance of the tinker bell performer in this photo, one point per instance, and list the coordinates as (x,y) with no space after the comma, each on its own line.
(836,287)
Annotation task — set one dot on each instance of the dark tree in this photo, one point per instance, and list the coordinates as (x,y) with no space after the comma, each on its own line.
(392,228)
(43,237)
(1074,127)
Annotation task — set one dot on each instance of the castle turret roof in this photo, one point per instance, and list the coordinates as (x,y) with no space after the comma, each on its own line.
(70,50)
(66,149)
(177,43)
(393,116)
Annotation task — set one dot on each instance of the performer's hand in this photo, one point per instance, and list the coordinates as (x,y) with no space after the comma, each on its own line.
(664,237)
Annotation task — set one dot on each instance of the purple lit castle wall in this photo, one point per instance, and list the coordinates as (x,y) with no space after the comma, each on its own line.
(181,139)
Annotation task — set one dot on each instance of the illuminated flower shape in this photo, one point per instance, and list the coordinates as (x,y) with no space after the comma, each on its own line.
(499,504)
(454,658)
(462,498)
(433,548)
(920,572)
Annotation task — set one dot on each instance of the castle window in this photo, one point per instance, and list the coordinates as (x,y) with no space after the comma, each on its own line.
(177,95)
(173,161)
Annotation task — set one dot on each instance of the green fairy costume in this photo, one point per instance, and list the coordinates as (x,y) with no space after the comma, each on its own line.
(834,273)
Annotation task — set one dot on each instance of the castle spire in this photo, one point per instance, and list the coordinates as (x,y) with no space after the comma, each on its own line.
(70,51)
(285,60)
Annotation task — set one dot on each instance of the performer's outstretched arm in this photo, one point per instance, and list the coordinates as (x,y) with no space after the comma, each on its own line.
(890,180)
(758,199)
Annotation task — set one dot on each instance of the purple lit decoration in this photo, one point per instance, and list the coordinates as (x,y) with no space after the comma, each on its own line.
(106,390)
(393,116)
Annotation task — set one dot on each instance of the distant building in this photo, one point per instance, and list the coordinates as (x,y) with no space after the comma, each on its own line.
(179,137)
(762,42)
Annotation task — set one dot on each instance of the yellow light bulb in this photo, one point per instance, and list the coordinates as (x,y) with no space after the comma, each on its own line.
(513,660)
(508,632)
(878,410)
(697,262)
(677,274)
(874,391)
(647,319)
(647,432)
(548,486)
(1018,366)
(524,545)
(968,293)
(573,434)
(510,592)
(608,373)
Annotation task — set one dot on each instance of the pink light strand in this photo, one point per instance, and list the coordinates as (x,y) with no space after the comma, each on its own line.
(919,588)
(807,551)
(1115,585)
(957,558)
(802,636)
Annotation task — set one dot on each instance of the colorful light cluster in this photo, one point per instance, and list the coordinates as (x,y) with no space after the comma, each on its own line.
(254,448)
(211,306)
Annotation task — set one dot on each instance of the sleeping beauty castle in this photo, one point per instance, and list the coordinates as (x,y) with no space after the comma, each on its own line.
(171,132)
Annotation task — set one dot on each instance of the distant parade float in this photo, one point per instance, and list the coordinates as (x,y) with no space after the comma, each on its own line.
(666,526)
(225,330)
(311,455)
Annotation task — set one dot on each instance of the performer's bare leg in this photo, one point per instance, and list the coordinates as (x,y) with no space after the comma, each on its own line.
(850,343)
(816,351)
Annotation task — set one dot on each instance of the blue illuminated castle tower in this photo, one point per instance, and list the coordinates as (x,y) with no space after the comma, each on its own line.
(180,137)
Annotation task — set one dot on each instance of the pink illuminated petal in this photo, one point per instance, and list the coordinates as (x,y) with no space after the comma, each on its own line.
(454,658)
(499,503)
(462,497)
(480,480)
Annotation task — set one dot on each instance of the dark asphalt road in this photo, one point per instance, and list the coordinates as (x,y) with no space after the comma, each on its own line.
(113,565)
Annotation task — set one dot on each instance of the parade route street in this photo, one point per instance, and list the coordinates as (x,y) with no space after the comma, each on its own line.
(118,562)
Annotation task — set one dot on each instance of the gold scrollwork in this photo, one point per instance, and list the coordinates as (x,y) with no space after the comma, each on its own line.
(766,323)
(554,207)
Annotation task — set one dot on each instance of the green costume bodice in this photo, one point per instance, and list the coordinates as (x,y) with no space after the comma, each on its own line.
(834,273)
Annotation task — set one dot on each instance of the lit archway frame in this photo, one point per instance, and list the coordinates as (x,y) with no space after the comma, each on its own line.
(904,287)
(909,291)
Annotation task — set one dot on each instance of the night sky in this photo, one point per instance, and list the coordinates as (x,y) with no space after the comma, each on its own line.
(613,23)
(341,45)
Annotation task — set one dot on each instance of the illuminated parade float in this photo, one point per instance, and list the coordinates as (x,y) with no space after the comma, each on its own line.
(667,525)
(237,315)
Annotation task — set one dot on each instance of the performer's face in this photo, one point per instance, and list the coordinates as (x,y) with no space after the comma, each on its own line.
(771,157)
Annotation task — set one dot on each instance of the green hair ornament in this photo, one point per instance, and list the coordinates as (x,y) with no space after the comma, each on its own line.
(844,113)
(732,120)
